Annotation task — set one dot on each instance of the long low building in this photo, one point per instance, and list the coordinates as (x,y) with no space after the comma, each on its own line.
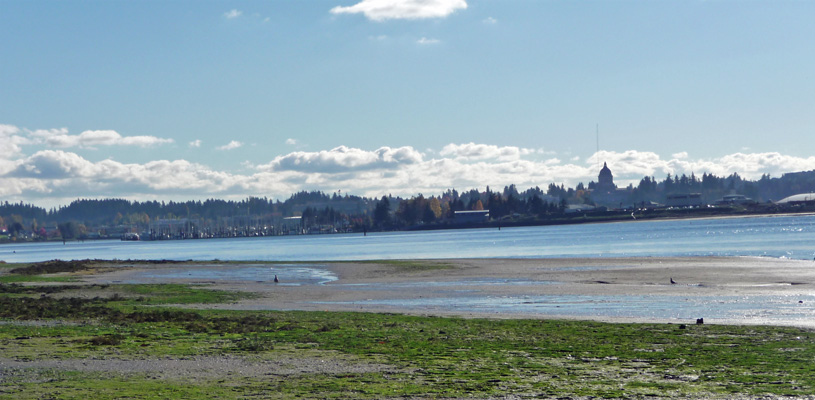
(684,200)
(803,198)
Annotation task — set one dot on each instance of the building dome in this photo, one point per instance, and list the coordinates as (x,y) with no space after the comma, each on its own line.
(605,181)
(605,174)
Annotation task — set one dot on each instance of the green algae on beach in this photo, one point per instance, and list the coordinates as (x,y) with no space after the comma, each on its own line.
(89,339)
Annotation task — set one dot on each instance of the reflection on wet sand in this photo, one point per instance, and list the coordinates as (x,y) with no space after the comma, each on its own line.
(720,290)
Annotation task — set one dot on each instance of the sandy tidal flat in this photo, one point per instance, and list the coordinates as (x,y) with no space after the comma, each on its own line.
(738,290)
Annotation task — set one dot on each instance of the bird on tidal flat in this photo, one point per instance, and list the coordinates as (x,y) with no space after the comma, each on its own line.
(673,282)
(275,279)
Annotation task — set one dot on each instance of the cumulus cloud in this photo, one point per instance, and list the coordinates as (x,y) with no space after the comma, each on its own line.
(381,10)
(57,176)
(632,162)
(753,165)
(632,165)
(195,143)
(8,130)
(60,138)
(233,13)
(58,172)
(405,171)
(10,142)
(234,144)
(53,164)
(490,21)
(343,158)
(473,151)
(291,142)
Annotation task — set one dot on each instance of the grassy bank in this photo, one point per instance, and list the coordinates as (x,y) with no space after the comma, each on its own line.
(73,341)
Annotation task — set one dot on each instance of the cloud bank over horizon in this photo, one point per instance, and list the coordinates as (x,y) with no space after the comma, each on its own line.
(56,175)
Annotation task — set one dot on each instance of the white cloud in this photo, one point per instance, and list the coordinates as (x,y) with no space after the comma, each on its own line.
(490,21)
(631,163)
(426,41)
(753,165)
(234,144)
(291,142)
(60,138)
(343,159)
(233,13)
(61,173)
(8,130)
(630,166)
(53,164)
(473,151)
(195,143)
(57,176)
(10,142)
(381,10)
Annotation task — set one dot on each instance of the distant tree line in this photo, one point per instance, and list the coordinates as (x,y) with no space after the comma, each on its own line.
(386,213)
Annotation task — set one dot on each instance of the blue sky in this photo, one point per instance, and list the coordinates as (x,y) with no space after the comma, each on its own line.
(198,99)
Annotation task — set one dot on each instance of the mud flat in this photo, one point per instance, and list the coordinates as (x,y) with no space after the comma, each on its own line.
(732,290)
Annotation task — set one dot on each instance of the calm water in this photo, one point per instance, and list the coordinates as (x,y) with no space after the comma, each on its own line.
(780,236)
(769,310)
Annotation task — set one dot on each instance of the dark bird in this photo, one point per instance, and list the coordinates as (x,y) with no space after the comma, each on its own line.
(673,282)
(275,279)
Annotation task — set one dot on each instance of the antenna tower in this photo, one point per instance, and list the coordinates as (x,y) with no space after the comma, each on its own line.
(597,154)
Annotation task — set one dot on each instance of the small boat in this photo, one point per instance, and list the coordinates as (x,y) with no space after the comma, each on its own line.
(130,236)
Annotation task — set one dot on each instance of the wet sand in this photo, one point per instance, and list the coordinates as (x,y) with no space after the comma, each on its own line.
(592,285)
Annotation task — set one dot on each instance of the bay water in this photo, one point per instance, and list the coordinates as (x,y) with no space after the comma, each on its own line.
(787,236)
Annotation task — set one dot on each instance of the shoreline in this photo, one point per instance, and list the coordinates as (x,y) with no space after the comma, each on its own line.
(577,220)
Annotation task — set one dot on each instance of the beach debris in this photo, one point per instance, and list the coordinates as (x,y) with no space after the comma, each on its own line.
(682,326)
